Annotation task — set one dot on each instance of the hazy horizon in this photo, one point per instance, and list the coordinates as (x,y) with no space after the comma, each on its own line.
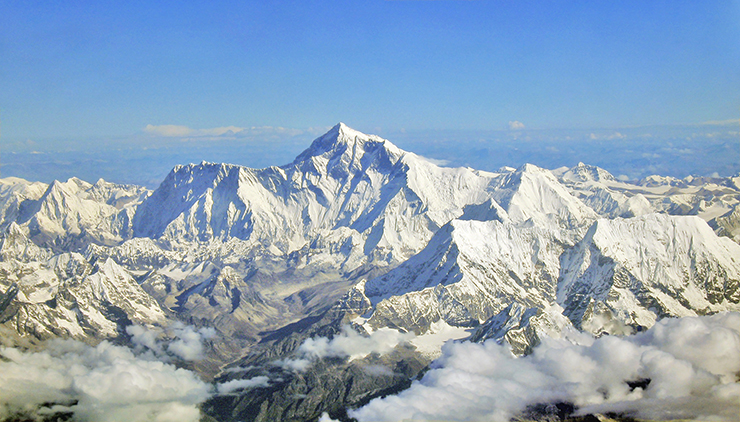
(145,158)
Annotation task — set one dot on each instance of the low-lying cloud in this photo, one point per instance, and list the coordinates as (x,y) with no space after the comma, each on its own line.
(178,340)
(348,344)
(105,383)
(233,385)
(188,342)
(184,131)
(684,368)
(178,131)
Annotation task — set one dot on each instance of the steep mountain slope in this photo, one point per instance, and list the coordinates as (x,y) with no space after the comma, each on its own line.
(633,271)
(375,200)
(73,214)
(503,250)
(598,189)
(533,195)
(13,193)
(244,250)
(624,274)
(728,224)
(470,271)
(350,206)
(65,295)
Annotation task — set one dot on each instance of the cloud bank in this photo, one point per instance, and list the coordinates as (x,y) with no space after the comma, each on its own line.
(233,385)
(681,368)
(106,383)
(348,344)
(178,131)
(179,340)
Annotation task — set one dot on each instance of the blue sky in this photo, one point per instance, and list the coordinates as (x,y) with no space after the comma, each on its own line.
(94,74)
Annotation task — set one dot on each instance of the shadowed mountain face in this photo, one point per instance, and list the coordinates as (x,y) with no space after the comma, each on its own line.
(358,233)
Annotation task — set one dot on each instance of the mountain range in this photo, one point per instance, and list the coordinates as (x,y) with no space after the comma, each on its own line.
(356,239)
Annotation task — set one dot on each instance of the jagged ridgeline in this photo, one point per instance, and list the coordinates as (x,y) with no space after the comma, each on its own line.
(357,239)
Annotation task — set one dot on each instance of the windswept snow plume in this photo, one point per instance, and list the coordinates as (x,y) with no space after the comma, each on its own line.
(348,343)
(683,368)
(105,383)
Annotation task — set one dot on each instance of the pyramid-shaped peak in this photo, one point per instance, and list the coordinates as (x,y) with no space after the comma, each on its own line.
(343,129)
(528,168)
(342,134)
(342,139)
(585,173)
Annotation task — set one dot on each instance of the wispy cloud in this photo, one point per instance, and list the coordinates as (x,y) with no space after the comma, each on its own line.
(722,122)
(606,136)
(436,161)
(347,344)
(184,131)
(179,340)
(226,132)
(516,125)
(233,385)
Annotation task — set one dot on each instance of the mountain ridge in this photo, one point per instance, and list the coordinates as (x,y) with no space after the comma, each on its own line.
(356,234)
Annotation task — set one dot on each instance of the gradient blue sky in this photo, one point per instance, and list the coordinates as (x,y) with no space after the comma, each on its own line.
(77,69)
(92,75)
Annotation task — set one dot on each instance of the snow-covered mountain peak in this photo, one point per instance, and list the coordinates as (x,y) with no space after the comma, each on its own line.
(348,148)
(469,271)
(586,173)
(656,181)
(71,187)
(533,194)
(488,210)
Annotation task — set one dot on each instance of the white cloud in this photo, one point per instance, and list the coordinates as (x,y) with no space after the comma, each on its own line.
(347,344)
(353,345)
(180,340)
(298,365)
(168,130)
(233,385)
(721,122)
(105,383)
(326,418)
(184,131)
(187,132)
(224,132)
(606,136)
(516,125)
(144,338)
(188,343)
(692,364)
